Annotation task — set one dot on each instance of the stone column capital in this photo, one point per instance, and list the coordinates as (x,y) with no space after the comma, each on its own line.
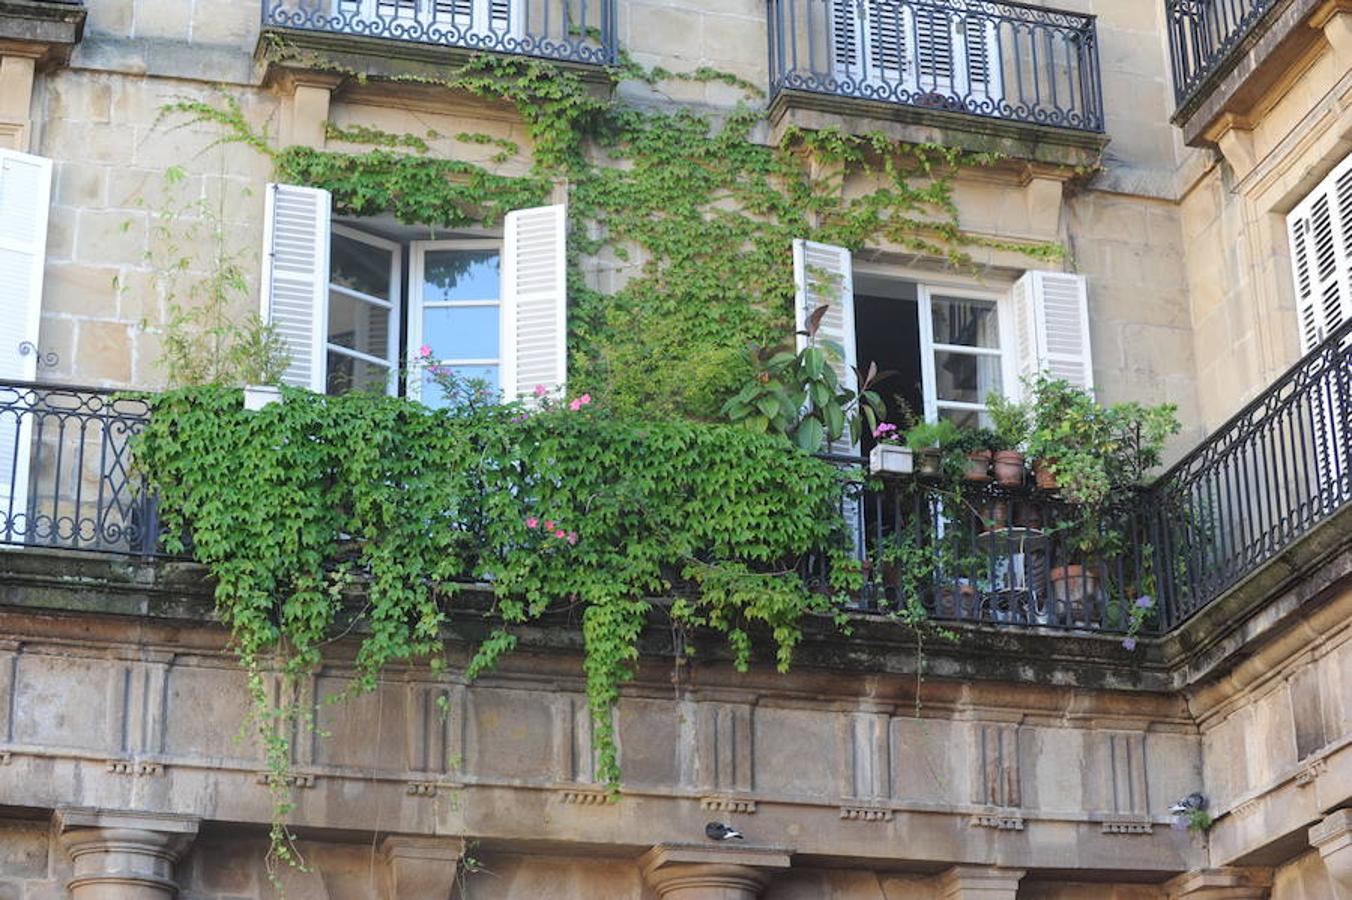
(979,883)
(418,867)
(711,872)
(1231,883)
(1333,839)
(123,854)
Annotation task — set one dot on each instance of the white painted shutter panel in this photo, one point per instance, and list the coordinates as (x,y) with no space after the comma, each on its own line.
(934,45)
(822,276)
(295,288)
(981,75)
(534,301)
(1320,229)
(25,195)
(1051,327)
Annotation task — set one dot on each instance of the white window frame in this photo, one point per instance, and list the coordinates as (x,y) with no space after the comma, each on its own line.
(396,251)
(925,294)
(418,251)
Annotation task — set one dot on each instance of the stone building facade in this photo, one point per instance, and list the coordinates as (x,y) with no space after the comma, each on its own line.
(1018,762)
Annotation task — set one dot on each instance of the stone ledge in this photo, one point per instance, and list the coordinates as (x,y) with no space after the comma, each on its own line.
(1058,147)
(43,29)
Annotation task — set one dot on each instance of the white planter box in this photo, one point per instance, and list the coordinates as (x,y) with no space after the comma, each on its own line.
(257,396)
(892,459)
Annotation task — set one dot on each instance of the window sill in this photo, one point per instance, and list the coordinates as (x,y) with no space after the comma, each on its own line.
(914,125)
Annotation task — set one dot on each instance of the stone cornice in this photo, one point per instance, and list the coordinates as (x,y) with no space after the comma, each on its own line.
(44,30)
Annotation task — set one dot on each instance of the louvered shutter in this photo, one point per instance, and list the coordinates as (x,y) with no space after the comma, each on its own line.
(1051,327)
(500,17)
(868,42)
(296,276)
(981,74)
(1320,229)
(847,39)
(534,301)
(822,275)
(934,45)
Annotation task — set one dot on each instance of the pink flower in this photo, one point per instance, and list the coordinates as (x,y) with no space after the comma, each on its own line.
(541,390)
(572,537)
(549,526)
(424,351)
(580,402)
(884,430)
(560,534)
(532,522)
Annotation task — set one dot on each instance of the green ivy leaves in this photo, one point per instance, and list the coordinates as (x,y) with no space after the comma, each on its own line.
(368,513)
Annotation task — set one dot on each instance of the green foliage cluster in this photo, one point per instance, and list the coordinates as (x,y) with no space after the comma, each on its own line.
(372,513)
(694,211)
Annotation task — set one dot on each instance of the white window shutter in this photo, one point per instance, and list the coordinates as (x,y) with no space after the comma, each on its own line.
(822,276)
(1051,327)
(981,72)
(1320,229)
(25,195)
(295,288)
(534,301)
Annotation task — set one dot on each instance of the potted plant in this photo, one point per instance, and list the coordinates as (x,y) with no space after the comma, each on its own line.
(979,444)
(890,455)
(257,396)
(934,445)
(1011,426)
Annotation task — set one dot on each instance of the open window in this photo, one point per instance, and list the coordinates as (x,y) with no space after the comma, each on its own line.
(489,307)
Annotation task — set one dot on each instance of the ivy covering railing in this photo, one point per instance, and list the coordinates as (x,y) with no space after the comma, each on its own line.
(577,31)
(979,552)
(985,58)
(1204,35)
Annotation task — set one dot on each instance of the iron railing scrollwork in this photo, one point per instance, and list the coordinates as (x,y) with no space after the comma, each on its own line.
(1204,35)
(577,31)
(987,58)
(66,473)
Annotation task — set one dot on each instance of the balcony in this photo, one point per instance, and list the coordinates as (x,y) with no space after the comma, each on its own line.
(1004,68)
(1227,55)
(580,32)
(1253,492)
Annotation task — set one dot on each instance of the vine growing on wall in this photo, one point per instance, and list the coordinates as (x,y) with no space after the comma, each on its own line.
(680,257)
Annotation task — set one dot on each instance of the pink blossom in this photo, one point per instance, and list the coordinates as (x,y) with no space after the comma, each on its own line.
(532,522)
(580,402)
(424,351)
(549,525)
(572,537)
(541,390)
(560,534)
(885,429)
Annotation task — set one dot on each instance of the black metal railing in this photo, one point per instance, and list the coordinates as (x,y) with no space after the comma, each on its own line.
(579,31)
(66,474)
(1277,469)
(980,57)
(1204,35)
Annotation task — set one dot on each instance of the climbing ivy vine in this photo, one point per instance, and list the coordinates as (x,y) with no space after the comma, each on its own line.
(307,505)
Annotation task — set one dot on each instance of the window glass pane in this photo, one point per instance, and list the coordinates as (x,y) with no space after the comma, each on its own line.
(433,396)
(968,323)
(461,332)
(966,418)
(358,325)
(348,374)
(965,378)
(460,275)
(359,266)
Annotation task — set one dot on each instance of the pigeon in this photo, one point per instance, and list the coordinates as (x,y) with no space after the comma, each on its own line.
(1189,803)
(717,831)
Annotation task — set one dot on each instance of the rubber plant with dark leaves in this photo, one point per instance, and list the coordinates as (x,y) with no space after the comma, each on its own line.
(371,515)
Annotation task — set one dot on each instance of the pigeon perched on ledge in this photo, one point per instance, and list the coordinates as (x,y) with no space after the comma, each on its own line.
(717,831)
(1193,801)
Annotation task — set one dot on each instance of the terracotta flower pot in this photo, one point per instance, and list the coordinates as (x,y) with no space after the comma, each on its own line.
(978,466)
(1046,478)
(1009,468)
(1074,588)
(929,463)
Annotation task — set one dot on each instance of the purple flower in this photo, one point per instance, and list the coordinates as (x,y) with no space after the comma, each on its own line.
(1144,602)
(884,430)
(1129,643)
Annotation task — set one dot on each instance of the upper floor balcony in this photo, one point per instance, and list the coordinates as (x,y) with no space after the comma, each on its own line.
(1256,491)
(973,64)
(567,31)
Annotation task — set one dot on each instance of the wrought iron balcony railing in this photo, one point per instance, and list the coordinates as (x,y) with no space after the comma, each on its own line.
(1010,556)
(66,474)
(987,58)
(1204,35)
(577,31)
